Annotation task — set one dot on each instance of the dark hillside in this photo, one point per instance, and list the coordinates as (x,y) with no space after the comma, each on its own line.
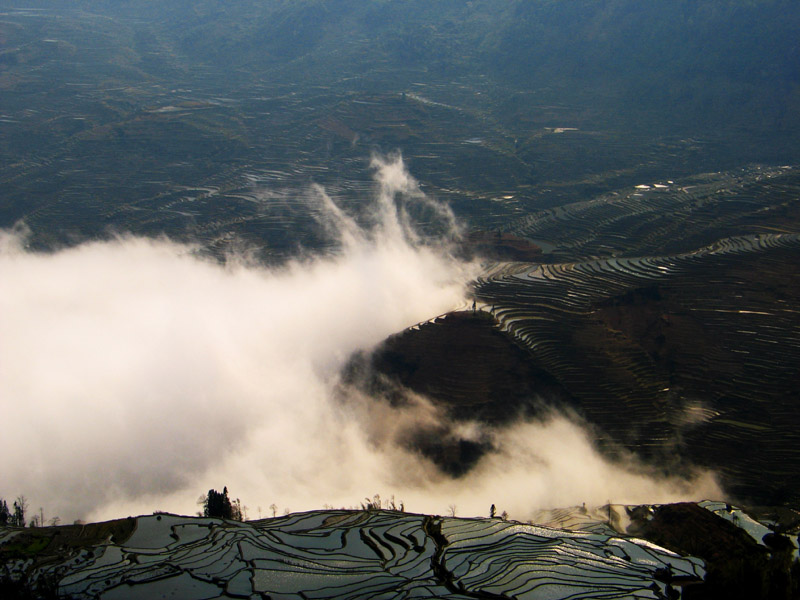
(467,367)
(466,364)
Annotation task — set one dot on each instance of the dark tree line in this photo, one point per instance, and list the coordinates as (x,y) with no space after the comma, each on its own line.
(219,505)
(15,518)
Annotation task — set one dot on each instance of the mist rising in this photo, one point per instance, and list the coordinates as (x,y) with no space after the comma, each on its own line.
(137,375)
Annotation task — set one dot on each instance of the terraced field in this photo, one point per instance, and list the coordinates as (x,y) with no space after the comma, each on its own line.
(342,554)
(121,125)
(669,217)
(697,349)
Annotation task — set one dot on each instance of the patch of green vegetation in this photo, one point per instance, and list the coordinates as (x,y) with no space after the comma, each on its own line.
(26,544)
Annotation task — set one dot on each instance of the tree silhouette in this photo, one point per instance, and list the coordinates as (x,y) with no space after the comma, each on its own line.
(20,505)
(219,505)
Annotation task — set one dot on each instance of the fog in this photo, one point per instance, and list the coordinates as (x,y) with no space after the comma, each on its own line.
(135,375)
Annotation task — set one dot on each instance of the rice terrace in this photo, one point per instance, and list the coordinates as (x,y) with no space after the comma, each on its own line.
(488,299)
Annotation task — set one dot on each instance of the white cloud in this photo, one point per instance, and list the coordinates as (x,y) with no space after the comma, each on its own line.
(135,376)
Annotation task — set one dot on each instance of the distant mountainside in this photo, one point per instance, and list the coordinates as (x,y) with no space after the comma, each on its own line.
(676,64)
(388,554)
(117,115)
(702,65)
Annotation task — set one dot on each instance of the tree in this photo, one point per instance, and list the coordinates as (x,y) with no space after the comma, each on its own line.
(219,505)
(5,514)
(492,511)
(38,520)
(20,506)
(452,509)
(237,512)
(274,508)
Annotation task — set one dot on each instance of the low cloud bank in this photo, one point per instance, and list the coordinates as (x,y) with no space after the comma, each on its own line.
(136,375)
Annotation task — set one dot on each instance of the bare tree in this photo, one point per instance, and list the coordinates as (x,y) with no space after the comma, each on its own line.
(237,513)
(274,508)
(452,509)
(20,506)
